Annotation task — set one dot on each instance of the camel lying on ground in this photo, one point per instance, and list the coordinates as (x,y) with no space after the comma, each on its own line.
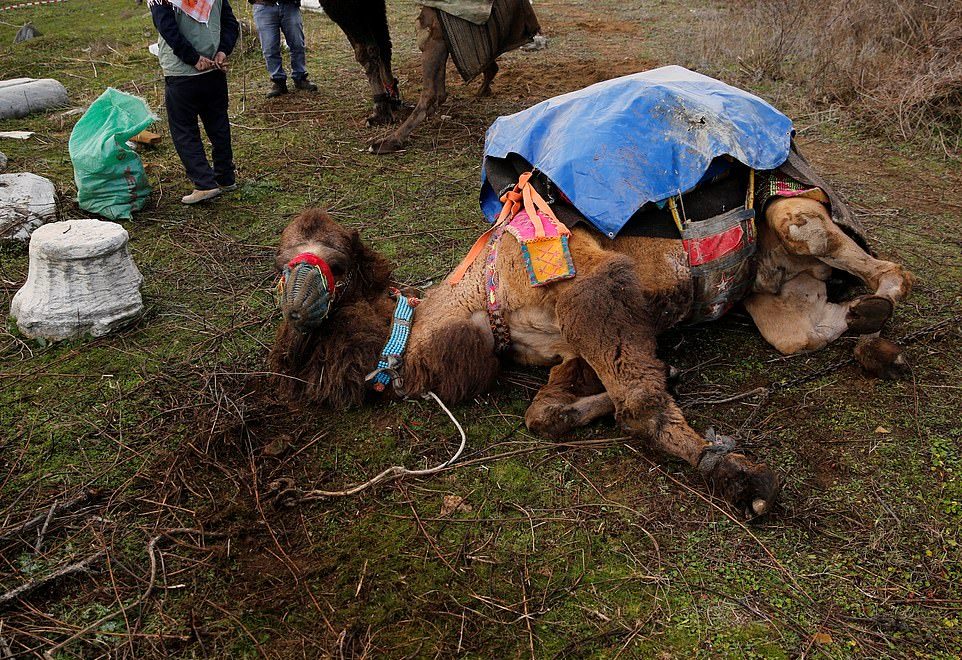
(364,22)
(596,331)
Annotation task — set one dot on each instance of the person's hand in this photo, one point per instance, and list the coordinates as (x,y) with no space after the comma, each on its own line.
(220,60)
(204,64)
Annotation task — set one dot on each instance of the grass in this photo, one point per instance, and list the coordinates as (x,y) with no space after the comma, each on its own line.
(589,550)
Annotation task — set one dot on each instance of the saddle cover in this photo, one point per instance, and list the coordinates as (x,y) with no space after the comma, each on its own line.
(614,146)
(547,257)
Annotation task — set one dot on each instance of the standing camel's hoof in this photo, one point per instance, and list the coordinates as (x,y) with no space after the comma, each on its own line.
(751,488)
(484,92)
(869,314)
(387,146)
(380,119)
(882,358)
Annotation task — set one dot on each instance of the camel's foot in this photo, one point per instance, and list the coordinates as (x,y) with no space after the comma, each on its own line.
(751,488)
(388,145)
(551,421)
(484,92)
(882,358)
(868,314)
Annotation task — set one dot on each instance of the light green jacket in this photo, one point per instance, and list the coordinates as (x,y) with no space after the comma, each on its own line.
(204,38)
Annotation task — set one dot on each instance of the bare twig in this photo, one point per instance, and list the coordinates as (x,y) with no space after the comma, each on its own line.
(25,589)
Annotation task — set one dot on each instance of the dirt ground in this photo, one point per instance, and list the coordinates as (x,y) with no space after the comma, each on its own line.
(155,453)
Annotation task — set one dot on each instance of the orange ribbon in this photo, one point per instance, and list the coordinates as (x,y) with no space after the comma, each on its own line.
(523,194)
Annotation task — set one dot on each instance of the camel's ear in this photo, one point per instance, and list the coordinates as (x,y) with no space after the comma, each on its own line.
(374,269)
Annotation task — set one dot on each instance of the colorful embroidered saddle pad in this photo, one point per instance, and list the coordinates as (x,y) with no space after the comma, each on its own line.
(546,257)
(543,238)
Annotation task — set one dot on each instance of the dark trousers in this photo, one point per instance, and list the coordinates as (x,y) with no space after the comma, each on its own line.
(203,96)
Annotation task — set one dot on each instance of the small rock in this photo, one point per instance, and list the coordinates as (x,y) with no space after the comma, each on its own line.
(21,96)
(26,202)
(538,42)
(26,33)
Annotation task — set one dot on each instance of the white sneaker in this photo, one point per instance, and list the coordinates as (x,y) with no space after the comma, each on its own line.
(200,196)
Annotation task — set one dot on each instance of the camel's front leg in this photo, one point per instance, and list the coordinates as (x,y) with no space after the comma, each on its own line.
(434,57)
(572,397)
(606,316)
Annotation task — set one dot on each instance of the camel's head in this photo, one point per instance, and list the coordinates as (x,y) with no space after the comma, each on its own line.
(321,266)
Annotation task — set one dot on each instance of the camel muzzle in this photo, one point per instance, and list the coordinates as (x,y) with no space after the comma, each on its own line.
(306,292)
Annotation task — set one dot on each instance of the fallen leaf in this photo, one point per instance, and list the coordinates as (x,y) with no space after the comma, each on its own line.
(452,503)
(277,446)
(882,429)
(822,639)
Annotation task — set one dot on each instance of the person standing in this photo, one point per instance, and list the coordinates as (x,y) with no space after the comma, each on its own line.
(196,38)
(271,18)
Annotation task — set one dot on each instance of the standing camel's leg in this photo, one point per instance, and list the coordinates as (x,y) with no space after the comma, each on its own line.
(572,397)
(489,72)
(606,316)
(434,57)
(366,28)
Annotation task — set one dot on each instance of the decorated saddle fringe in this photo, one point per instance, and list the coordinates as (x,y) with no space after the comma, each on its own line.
(543,238)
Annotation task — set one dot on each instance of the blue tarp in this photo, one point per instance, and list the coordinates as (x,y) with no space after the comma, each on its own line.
(616,145)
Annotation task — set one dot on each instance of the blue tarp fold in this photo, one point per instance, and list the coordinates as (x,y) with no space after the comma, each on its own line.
(616,145)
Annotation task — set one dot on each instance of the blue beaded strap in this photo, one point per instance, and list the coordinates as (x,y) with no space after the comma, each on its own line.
(387,367)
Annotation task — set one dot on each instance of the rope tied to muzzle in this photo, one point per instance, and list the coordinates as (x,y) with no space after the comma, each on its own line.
(718,447)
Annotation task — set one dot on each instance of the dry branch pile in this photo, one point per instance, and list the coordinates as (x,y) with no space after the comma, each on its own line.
(896,64)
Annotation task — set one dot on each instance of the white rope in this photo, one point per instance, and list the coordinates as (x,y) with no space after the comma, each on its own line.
(395,471)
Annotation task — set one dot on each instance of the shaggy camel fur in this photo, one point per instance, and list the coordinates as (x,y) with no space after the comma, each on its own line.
(597,331)
(364,22)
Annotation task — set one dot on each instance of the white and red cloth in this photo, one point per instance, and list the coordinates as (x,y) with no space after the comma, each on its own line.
(199,10)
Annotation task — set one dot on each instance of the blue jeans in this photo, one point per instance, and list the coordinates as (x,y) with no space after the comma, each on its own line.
(271,20)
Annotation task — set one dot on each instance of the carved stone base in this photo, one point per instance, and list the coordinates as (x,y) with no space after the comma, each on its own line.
(81,280)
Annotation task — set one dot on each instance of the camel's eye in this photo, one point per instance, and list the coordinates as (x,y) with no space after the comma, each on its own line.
(337,269)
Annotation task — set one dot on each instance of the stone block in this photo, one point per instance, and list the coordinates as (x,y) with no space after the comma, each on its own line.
(26,202)
(21,96)
(81,280)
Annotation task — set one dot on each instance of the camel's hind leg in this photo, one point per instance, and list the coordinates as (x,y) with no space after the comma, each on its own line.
(805,228)
(606,316)
(801,318)
(366,28)
(572,397)
(489,72)
(434,57)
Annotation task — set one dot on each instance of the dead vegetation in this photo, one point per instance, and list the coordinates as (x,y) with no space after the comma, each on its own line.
(896,65)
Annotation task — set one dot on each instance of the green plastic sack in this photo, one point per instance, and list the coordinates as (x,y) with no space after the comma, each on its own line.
(110,177)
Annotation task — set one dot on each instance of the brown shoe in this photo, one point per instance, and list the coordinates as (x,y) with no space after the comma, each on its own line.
(200,196)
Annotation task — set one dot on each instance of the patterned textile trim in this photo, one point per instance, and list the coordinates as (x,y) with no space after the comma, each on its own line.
(499,329)
(393,351)
(547,258)
(775,184)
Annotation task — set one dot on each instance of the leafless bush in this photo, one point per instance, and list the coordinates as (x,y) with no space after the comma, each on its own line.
(897,64)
